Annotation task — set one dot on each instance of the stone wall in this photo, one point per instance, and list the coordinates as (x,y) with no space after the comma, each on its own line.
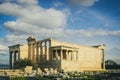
(88,58)
(23,51)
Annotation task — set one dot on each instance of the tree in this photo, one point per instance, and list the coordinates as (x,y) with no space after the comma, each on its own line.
(110,64)
(22,63)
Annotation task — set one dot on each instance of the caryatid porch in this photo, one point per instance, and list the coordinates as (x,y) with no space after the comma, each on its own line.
(64,53)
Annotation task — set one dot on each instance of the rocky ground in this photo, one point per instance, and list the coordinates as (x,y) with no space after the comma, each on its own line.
(108,75)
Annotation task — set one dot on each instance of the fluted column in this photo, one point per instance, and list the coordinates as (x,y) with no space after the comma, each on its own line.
(10,59)
(61,54)
(76,55)
(33,54)
(103,56)
(67,57)
(49,51)
(41,51)
(29,51)
(19,55)
(37,52)
(71,55)
(14,57)
(45,50)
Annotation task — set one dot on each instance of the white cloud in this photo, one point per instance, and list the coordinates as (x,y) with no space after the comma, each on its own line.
(3,49)
(85,3)
(28,2)
(12,39)
(57,4)
(67,12)
(93,32)
(35,20)
(35,15)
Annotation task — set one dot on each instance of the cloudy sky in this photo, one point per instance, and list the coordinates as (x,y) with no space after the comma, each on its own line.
(85,22)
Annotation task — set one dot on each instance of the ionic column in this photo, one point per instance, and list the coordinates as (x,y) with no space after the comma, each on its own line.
(32,52)
(37,52)
(71,55)
(29,51)
(14,57)
(61,54)
(34,57)
(76,55)
(103,56)
(10,59)
(41,51)
(67,56)
(46,56)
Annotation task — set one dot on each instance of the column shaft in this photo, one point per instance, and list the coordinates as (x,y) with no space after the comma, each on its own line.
(14,57)
(33,52)
(29,51)
(10,59)
(41,51)
(37,52)
(61,55)
(67,55)
(45,50)
(103,53)
(71,55)
(76,55)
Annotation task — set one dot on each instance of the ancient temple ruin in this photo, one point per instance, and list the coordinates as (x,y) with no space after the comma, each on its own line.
(50,53)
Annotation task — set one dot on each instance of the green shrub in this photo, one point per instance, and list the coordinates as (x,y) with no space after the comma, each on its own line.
(17,78)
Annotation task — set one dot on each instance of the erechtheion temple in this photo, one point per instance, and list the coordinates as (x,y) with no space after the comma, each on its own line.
(50,53)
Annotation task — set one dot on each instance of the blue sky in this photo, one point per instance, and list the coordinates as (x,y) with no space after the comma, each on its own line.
(85,22)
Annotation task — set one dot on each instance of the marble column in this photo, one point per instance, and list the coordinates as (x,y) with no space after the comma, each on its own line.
(29,51)
(15,57)
(32,50)
(41,51)
(103,57)
(71,55)
(61,54)
(10,59)
(37,52)
(67,55)
(47,46)
(76,55)
(46,50)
